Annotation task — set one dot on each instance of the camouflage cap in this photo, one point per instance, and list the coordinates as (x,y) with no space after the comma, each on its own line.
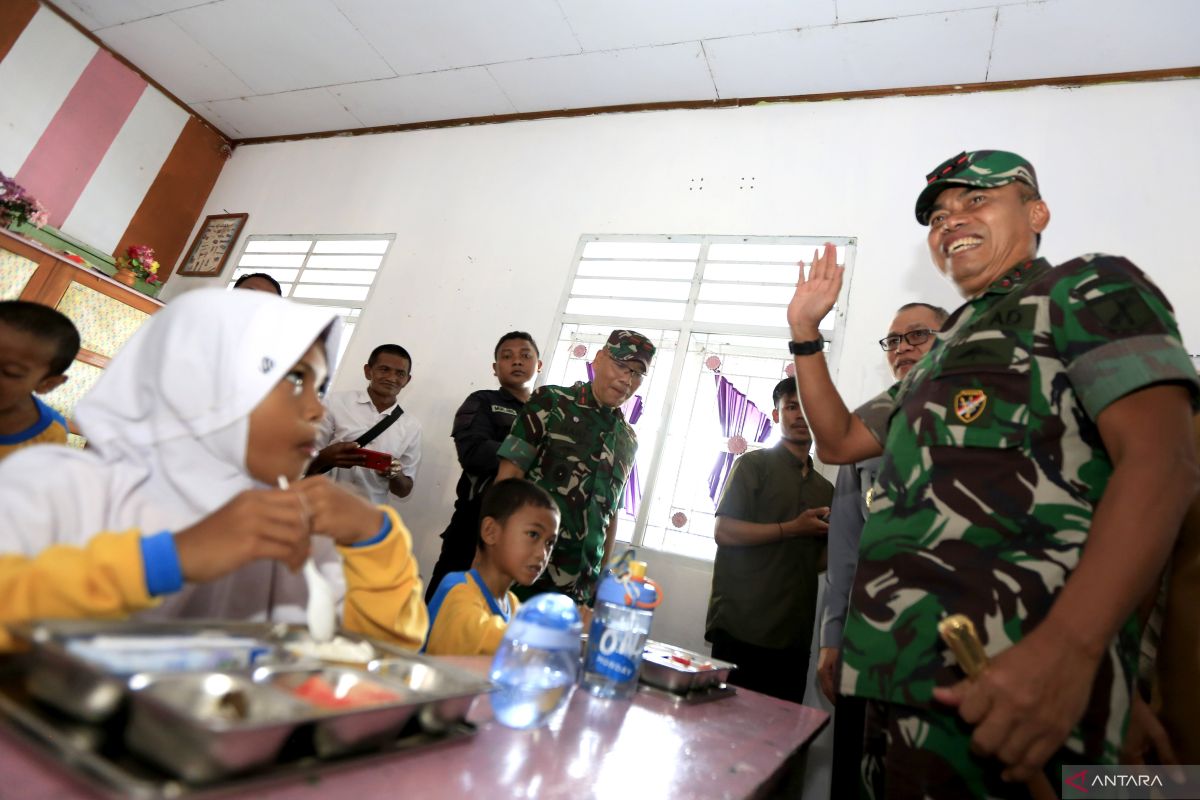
(625,345)
(984,168)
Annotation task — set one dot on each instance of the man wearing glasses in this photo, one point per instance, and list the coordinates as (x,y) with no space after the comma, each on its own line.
(910,336)
(574,442)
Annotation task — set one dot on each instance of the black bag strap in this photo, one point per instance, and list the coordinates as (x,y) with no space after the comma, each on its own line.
(379,427)
(371,434)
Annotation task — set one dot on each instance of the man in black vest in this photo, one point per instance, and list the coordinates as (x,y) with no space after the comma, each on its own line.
(480,425)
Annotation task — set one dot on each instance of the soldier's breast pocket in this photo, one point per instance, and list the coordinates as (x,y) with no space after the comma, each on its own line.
(980,397)
(973,425)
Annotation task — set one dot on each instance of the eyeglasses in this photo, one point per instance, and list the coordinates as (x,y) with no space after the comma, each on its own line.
(914,338)
(625,369)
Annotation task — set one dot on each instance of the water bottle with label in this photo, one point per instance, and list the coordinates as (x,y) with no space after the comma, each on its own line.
(538,662)
(621,620)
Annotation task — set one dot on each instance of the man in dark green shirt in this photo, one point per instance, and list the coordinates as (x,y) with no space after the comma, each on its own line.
(770,538)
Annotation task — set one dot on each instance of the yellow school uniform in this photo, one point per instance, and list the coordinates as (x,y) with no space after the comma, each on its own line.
(465,619)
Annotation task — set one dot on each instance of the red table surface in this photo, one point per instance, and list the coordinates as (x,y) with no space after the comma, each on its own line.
(730,748)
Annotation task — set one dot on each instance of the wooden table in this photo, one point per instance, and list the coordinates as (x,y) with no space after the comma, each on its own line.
(736,747)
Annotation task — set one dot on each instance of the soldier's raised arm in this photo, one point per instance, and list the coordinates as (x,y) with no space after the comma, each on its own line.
(841,437)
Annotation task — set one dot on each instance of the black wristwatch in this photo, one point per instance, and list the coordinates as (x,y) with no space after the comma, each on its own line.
(807,348)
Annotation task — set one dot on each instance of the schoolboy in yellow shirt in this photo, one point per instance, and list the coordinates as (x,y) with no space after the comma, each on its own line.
(470,610)
(37,344)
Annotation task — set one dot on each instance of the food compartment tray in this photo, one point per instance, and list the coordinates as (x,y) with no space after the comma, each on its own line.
(66,672)
(681,671)
(349,708)
(446,692)
(206,726)
(83,667)
(97,756)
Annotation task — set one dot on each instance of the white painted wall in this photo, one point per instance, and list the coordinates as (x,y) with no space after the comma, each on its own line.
(487,219)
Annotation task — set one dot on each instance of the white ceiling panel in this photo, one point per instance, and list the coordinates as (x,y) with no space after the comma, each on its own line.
(1080,37)
(297,112)
(616,24)
(860,10)
(162,50)
(246,64)
(427,35)
(450,94)
(642,75)
(281,45)
(845,58)
(96,14)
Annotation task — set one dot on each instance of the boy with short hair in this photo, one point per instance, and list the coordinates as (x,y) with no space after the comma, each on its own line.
(37,345)
(471,610)
(351,415)
(770,535)
(480,425)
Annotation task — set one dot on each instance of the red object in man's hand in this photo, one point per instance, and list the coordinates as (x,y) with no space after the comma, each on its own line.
(380,462)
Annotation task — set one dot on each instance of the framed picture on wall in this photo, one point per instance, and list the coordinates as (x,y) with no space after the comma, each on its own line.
(213,244)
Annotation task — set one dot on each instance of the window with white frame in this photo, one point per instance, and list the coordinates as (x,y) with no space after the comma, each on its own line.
(715,307)
(334,271)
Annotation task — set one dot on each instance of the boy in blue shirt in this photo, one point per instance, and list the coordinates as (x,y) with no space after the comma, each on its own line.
(470,610)
(37,344)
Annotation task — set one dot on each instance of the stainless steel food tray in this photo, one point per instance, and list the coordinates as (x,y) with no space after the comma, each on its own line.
(96,755)
(681,671)
(695,697)
(88,690)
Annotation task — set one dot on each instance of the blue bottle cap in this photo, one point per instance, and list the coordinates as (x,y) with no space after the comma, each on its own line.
(548,621)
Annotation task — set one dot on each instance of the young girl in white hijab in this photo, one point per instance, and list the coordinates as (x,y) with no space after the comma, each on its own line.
(189,430)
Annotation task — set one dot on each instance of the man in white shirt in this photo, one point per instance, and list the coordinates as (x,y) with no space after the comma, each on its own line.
(350,414)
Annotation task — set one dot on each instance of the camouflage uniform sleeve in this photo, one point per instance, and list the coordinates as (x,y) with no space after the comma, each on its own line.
(1115,332)
(876,412)
(521,445)
(737,498)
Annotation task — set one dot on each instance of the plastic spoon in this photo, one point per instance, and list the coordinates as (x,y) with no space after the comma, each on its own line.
(321,613)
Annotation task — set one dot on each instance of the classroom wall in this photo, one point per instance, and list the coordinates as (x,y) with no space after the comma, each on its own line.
(487,219)
(114,161)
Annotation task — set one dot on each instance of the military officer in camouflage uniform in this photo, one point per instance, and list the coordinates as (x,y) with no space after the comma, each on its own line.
(1036,466)
(574,442)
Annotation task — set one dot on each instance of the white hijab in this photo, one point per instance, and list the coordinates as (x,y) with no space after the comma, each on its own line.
(167,426)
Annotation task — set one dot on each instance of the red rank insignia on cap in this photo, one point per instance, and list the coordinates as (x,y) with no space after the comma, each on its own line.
(969,404)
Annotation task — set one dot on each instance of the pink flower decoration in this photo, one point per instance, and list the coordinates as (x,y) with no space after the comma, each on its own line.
(579,350)
(713,363)
(736,445)
(679,519)
(790,370)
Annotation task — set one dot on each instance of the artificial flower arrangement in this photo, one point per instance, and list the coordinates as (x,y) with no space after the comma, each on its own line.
(139,259)
(19,206)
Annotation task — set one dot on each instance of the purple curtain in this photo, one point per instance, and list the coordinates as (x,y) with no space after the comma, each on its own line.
(632,409)
(739,417)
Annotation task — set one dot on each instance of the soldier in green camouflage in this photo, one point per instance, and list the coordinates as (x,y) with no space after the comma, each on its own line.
(1036,466)
(574,442)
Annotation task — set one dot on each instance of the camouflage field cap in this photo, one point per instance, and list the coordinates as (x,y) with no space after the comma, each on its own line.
(625,345)
(984,168)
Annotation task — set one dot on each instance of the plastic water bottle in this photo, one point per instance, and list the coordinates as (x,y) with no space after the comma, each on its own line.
(620,625)
(538,662)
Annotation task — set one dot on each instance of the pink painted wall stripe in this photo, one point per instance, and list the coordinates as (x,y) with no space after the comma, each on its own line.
(75,141)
